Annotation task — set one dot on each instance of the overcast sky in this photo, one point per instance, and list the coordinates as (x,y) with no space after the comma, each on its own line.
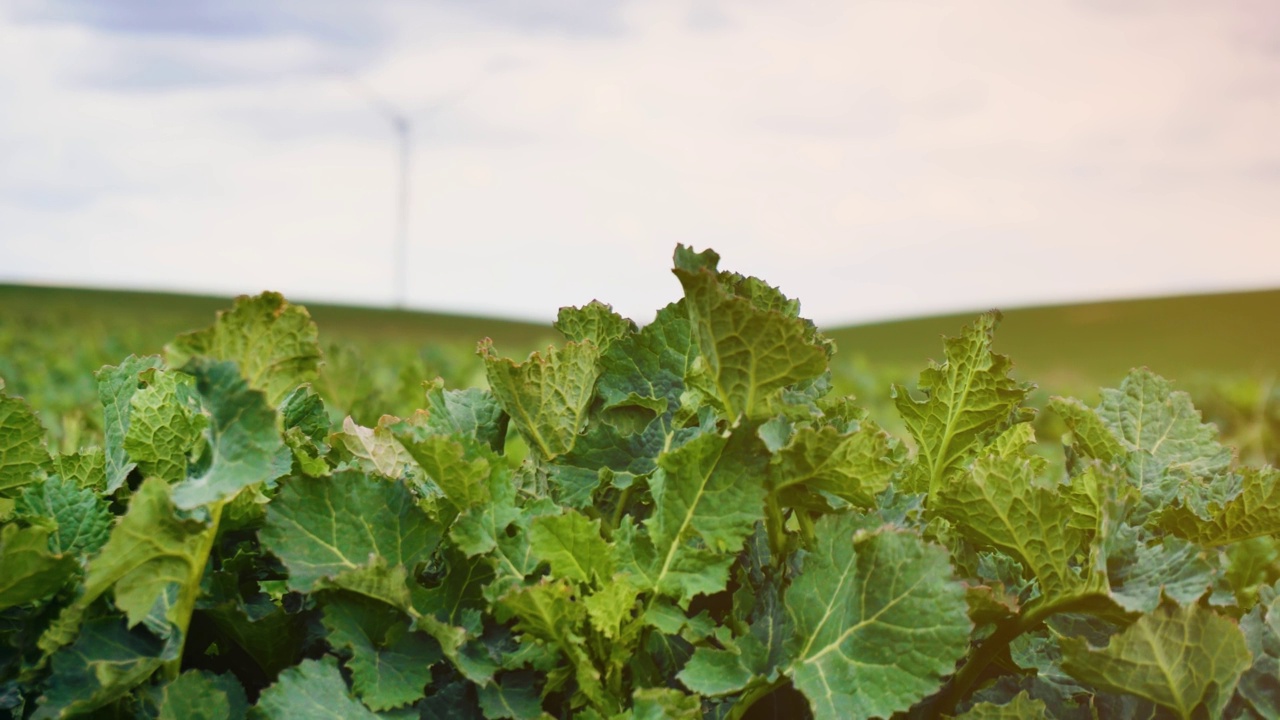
(875,159)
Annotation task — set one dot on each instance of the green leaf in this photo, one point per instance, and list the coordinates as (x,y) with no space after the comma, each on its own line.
(854,466)
(271,637)
(714,673)
(312,689)
(548,611)
(1260,684)
(1185,658)
(306,426)
(1000,504)
(80,518)
(611,606)
(199,695)
(1089,434)
(483,526)
(323,528)
(1163,426)
(1022,707)
(304,409)
(28,570)
(116,386)
(1172,568)
(23,456)
(879,620)
(572,545)
(595,322)
(752,349)
(244,444)
(86,468)
(149,550)
(390,664)
(1253,510)
(272,342)
(243,441)
(460,467)
(459,591)
(470,412)
(707,495)
(514,695)
(645,370)
(665,704)
(164,422)
(374,449)
(969,399)
(548,395)
(106,662)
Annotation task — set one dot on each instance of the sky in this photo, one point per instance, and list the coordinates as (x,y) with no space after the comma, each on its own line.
(876,160)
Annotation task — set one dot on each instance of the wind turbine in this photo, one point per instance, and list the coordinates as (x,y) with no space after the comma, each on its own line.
(403,127)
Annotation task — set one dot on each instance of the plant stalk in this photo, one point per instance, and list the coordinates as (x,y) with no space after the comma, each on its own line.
(190,591)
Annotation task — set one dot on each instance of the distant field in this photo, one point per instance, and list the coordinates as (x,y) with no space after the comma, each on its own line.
(164,315)
(1076,345)
(1097,343)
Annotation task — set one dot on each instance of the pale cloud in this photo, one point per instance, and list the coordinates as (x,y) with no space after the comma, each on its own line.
(875,159)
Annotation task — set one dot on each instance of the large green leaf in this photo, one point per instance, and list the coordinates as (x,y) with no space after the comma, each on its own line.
(116,386)
(1142,573)
(1252,510)
(853,466)
(150,550)
(595,322)
(1089,434)
(1000,503)
(106,662)
(272,342)
(1260,684)
(1162,426)
(751,349)
(548,612)
(460,467)
(968,400)
(546,396)
(164,422)
(390,664)
(879,620)
(80,518)
(469,412)
(86,468)
(646,370)
(1185,658)
(245,446)
(312,689)
(199,695)
(572,545)
(707,495)
(23,456)
(28,570)
(325,528)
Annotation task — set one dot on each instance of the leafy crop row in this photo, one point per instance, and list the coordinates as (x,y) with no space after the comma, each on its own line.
(679,520)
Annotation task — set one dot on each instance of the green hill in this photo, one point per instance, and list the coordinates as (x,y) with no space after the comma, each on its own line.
(160,316)
(1096,343)
(1090,344)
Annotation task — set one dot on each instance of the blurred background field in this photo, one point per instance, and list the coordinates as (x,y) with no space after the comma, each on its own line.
(1221,348)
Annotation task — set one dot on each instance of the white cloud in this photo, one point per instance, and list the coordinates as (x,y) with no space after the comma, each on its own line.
(876,159)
